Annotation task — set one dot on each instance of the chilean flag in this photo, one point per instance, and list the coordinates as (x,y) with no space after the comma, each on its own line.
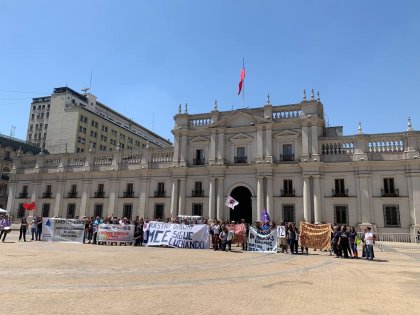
(30,206)
(241,80)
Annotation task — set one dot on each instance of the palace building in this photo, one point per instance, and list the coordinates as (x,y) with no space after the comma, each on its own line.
(280,158)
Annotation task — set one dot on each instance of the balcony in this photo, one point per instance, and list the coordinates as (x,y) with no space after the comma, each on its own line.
(23,195)
(240,159)
(160,194)
(199,161)
(287,157)
(128,194)
(72,194)
(390,192)
(46,195)
(99,194)
(287,193)
(340,193)
(197,193)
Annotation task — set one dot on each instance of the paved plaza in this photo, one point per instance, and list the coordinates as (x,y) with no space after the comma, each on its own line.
(63,278)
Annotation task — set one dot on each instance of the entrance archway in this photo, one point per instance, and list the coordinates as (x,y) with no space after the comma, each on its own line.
(244,209)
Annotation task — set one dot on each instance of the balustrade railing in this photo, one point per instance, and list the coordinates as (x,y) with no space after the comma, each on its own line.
(76,160)
(134,158)
(103,159)
(386,145)
(197,121)
(286,112)
(337,146)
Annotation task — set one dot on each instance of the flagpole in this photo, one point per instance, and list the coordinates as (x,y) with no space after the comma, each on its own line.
(243,85)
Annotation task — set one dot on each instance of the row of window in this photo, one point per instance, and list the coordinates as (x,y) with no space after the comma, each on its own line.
(287,191)
(41,106)
(40,115)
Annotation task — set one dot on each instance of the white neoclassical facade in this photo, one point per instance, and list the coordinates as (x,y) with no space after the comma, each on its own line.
(280,158)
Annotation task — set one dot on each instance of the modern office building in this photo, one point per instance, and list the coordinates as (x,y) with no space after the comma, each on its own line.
(71,122)
(280,158)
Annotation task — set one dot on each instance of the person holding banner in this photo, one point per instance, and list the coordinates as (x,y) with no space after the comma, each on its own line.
(215,228)
(38,228)
(34,229)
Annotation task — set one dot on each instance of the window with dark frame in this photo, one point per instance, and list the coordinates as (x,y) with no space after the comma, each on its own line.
(391,216)
(159,211)
(288,213)
(71,211)
(339,188)
(198,189)
(46,210)
(98,210)
(240,155)
(128,211)
(199,157)
(197,209)
(287,190)
(341,214)
(287,153)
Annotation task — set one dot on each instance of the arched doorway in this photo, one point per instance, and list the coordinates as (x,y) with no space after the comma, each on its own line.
(244,209)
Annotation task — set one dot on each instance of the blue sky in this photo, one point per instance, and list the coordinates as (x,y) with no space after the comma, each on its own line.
(149,56)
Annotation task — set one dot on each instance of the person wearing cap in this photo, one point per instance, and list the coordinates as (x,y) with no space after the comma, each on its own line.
(369,240)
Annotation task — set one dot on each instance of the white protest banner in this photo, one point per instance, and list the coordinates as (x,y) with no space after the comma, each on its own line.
(281,231)
(178,235)
(115,233)
(262,242)
(63,230)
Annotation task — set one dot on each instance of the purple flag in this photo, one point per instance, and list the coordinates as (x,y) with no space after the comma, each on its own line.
(265,217)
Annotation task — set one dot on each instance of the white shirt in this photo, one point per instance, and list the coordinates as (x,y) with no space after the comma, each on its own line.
(369,238)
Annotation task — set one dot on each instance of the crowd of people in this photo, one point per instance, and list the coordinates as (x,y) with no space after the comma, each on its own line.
(344,240)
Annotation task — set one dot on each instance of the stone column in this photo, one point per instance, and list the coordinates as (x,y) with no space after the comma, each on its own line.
(212,153)
(86,184)
(260,196)
(314,139)
(11,198)
(269,200)
(268,144)
(364,198)
(414,198)
(183,158)
(182,189)
(174,198)
(305,139)
(317,198)
(220,197)
(260,142)
(113,191)
(221,147)
(212,205)
(306,199)
(143,191)
(58,198)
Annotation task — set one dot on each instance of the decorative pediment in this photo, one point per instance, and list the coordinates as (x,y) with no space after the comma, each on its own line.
(199,141)
(240,119)
(287,134)
(241,138)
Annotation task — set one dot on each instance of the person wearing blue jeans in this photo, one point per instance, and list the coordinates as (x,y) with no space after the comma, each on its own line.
(369,241)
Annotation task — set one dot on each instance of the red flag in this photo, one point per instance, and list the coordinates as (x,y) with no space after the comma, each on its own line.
(30,206)
(241,80)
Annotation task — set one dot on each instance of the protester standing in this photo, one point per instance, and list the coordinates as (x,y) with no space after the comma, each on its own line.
(369,241)
(39,228)
(34,229)
(23,228)
(5,227)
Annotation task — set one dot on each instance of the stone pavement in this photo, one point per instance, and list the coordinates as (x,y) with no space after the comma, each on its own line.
(62,278)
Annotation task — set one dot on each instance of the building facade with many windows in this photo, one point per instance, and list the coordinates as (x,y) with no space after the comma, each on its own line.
(71,122)
(280,158)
